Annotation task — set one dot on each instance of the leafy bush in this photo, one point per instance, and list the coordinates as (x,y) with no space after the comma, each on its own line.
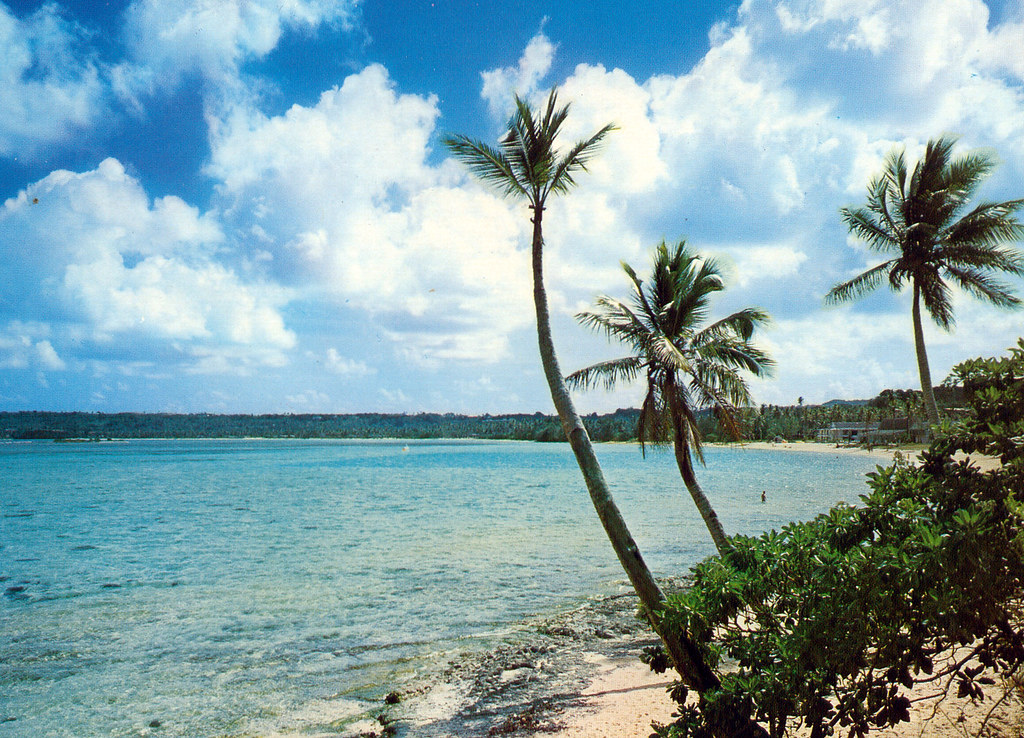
(831,622)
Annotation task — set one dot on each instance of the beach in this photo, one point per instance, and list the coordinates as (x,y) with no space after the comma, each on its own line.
(623,696)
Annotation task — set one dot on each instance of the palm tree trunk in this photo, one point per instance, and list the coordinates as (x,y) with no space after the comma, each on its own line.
(922,361)
(684,655)
(685,463)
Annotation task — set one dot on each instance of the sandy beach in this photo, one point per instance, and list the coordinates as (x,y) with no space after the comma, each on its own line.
(884,454)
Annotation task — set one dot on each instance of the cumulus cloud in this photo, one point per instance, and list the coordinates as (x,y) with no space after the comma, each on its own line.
(49,83)
(91,256)
(344,366)
(347,205)
(27,346)
(170,39)
(523,79)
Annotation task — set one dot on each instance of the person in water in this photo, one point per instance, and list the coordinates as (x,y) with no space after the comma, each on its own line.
(764,496)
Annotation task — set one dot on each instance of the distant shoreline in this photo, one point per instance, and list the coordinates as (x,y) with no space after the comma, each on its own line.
(884,454)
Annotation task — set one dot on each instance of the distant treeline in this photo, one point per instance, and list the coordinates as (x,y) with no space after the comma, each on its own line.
(617,426)
(765,422)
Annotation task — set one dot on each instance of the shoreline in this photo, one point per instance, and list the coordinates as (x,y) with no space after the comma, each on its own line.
(539,680)
(885,454)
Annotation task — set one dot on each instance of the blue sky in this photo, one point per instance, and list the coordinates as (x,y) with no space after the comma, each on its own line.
(227,206)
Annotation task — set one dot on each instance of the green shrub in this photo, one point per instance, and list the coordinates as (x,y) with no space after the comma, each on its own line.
(831,622)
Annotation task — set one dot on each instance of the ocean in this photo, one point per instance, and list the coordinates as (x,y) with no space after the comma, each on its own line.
(283,587)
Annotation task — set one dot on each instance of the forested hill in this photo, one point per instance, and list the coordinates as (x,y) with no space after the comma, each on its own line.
(617,426)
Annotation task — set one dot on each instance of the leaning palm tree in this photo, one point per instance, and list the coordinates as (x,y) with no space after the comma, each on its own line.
(527,165)
(920,220)
(687,366)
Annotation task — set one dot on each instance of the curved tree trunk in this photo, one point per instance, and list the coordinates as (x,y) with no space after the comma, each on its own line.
(685,655)
(922,361)
(686,471)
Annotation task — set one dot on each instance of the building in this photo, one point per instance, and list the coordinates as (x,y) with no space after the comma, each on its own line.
(847,433)
(878,432)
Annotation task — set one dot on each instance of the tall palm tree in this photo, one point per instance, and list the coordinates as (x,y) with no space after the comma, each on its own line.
(687,365)
(920,220)
(528,165)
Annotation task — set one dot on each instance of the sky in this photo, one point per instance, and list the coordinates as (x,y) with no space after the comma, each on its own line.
(244,205)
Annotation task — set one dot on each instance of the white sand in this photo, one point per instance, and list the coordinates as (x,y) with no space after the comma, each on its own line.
(884,455)
(625,697)
(621,702)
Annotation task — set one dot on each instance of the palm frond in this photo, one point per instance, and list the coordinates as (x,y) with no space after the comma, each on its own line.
(963,175)
(692,440)
(983,286)
(894,173)
(642,302)
(988,224)
(719,384)
(860,285)
(576,159)
(936,298)
(616,320)
(665,352)
(486,163)
(743,323)
(734,354)
(606,374)
(860,222)
(652,425)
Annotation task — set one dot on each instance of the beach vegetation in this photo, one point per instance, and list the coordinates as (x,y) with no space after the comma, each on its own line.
(920,219)
(686,363)
(912,597)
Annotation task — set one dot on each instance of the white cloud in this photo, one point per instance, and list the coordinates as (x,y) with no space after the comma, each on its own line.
(630,161)
(751,263)
(339,364)
(173,38)
(47,356)
(49,87)
(522,79)
(310,399)
(27,346)
(368,222)
(90,253)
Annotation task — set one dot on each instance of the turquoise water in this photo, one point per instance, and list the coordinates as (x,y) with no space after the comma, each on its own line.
(231,588)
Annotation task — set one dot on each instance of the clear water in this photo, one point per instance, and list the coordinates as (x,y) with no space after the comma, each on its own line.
(232,588)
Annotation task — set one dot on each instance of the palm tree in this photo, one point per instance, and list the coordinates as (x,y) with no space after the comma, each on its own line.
(920,220)
(528,166)
(687,366)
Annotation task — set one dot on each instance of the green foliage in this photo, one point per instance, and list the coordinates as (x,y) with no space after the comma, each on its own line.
(688,363)
(831,622)
(996,425)
(919,218)
(617,426)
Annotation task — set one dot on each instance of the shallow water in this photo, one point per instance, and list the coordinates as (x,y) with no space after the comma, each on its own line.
(230,588)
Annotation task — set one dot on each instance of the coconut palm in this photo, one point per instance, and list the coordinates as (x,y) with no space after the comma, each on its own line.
(528,165)
(687,365)
(920,220)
